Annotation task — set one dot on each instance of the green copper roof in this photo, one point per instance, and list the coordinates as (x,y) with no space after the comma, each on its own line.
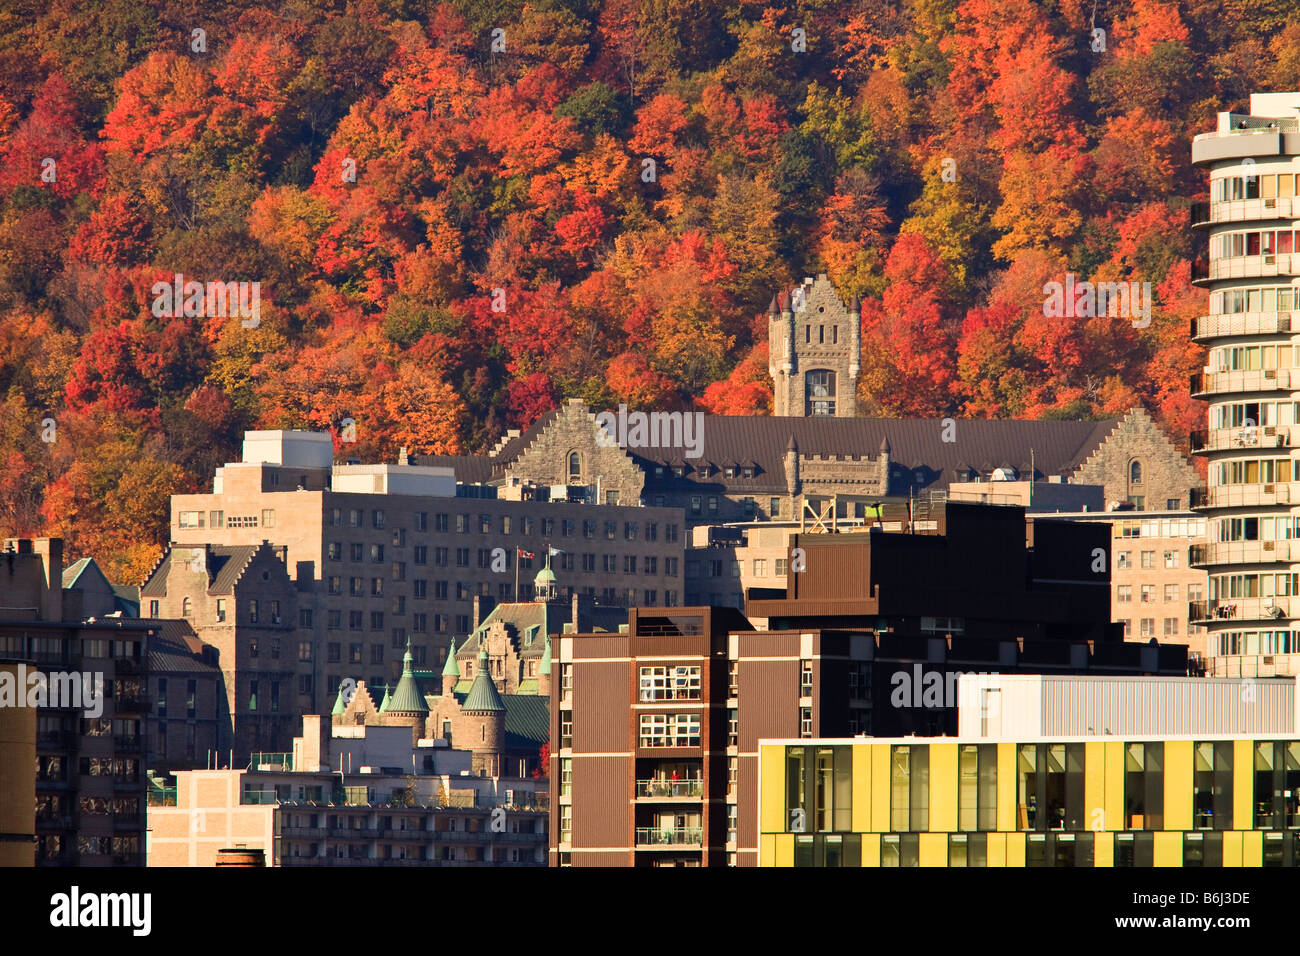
(407,699)
(383,708)
(483,694)
(545,666)
(338,704)
(546,575)
(451,668)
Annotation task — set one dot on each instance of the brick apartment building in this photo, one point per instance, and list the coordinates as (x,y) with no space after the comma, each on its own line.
(90,773)
(655,731)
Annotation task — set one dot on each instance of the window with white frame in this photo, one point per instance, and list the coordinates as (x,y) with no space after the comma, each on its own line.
(671,682)
(670,730)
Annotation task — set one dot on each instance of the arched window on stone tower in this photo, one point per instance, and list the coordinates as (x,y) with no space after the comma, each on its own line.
(1135,473)
(819,392)
(575,466)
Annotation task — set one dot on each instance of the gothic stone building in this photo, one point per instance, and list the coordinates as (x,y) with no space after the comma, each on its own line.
(814,456)
(781,468)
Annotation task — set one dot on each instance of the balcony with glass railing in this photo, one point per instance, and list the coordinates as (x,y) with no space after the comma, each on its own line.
(651,837)
(665,788)
(271,761)
(1241,323)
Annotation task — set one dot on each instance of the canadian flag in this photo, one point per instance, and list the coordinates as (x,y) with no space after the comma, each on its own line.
(525,554)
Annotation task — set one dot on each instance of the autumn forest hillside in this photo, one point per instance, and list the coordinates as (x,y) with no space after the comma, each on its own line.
(461,213)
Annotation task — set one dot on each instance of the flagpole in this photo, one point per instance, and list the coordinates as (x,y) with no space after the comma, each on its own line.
(517,559)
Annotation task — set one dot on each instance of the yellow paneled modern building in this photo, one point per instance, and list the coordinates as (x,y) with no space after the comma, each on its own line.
(1213,800)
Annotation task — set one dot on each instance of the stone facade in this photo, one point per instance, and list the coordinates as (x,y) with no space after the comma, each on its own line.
(1138,464)
(567,453)
(240,601)
(811,333)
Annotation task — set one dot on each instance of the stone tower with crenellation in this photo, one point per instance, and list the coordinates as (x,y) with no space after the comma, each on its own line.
(814,342)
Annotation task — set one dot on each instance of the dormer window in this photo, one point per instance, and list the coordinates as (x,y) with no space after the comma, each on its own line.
(748,471)
(679,471)
(731,471)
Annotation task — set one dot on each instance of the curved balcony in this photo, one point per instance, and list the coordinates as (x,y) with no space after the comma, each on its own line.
(1247,496)
(1241,210)
(1234,439)
(1205,327)
(1243,267)
(1240,609)
(1241,552)
(1237,382)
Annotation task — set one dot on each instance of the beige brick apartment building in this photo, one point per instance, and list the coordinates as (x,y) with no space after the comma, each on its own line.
(303,573)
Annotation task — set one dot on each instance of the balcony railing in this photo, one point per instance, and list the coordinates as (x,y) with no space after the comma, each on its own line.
(1240,552)
(681,836)
(1243,380)
(1240,496)
(1248,436)
(659,787)
(271,761)
(1240,609)
(1245,267)
(56,740)
(1241,323)
(1240,210)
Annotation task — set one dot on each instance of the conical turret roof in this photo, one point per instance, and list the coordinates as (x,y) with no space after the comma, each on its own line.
(483,694)
(407,699)
(451,668)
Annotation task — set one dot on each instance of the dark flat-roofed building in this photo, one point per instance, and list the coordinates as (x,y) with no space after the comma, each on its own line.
(654,742)
(90,755)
